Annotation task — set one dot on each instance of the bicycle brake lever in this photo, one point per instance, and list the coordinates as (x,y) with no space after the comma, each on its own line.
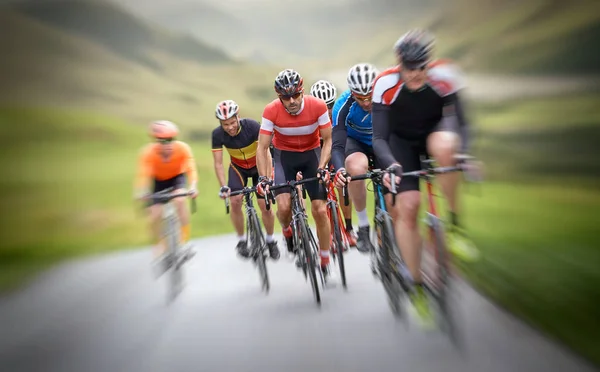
(393,187)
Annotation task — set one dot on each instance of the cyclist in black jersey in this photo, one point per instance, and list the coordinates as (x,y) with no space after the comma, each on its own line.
(417,111)
(240,139)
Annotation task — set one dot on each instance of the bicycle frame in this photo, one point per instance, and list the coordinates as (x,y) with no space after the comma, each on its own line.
(333,204)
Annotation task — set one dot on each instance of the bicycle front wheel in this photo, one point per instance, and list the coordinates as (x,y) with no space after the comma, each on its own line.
(338,242)
(176,271)
(443,283)
(258,250)
(387,272)
(309,247)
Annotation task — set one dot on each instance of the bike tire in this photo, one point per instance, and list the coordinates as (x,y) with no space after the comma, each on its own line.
(258,250)
(448,321)
(337,235)
(176,273)
(311,261)
(388,275)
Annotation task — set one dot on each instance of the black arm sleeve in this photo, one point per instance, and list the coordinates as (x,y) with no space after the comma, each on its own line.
(338,149)
(464,129)
(454,117)
(339,136)
(381,135)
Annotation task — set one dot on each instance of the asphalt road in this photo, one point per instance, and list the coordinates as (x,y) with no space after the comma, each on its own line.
(108,314)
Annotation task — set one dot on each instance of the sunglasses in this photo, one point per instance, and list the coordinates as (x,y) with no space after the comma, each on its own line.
(415,68)
(288,97)
(362,98)
(164,141)
(330,105)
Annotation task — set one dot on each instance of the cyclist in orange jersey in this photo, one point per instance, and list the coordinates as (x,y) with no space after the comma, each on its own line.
(163,164)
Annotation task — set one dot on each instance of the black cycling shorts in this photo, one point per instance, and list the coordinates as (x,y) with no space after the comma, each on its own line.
(408,152)
(177,182)
(288,163)
(238,177)
(353,146)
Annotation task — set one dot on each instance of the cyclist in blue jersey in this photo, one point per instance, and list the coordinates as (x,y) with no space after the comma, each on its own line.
(352,142)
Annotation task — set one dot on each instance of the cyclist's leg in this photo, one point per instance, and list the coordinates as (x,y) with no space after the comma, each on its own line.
(182,210)
(156,229)
(236,181)
(442,145)
(318,196)
(405,215)
(406,209)
(357,162)
(156,209)
(282,196)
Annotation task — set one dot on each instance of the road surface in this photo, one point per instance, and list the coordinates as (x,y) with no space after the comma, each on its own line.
(108,314)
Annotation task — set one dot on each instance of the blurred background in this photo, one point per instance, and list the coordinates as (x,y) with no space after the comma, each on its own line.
(81,80)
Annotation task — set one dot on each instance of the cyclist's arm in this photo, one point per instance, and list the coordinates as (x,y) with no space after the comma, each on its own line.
(218,165)
(339,134)
(464,129)
(269,161)
(326,149)
(190,167)
(325,131)
(381,134)
(264,141)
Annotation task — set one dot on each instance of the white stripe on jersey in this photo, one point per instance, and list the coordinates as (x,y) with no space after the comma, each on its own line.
(323,119)
(382,85)
(266,125)
(298,131)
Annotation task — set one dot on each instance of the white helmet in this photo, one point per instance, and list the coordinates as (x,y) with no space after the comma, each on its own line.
(361,78)
(226,109)
(324,90)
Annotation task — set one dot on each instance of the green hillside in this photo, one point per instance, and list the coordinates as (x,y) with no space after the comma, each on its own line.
(52,65)
(532,37)
(122,33)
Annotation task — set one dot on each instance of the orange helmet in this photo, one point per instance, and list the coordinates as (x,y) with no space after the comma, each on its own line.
(163,129)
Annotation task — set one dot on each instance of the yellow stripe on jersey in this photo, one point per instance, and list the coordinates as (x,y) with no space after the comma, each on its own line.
(244,152)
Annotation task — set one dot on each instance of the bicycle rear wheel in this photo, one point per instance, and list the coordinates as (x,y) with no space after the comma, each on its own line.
(387,273)
(309,248)
(338,242)
(258,250)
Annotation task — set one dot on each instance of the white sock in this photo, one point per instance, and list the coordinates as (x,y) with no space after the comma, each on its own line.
(270,238)
(242,238)
(363,218)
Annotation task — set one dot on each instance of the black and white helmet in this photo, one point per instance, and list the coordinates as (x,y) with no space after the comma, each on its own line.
(288,82)
(361,78)
(415,48)
(226,109)
(324,90)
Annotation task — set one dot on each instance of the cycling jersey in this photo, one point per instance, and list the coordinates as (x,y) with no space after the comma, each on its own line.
(153,165)
(242,146)
(349,121)
(299,132)
(413,115)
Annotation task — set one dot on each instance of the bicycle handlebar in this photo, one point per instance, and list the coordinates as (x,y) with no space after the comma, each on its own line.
(249,190)
(166,196)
